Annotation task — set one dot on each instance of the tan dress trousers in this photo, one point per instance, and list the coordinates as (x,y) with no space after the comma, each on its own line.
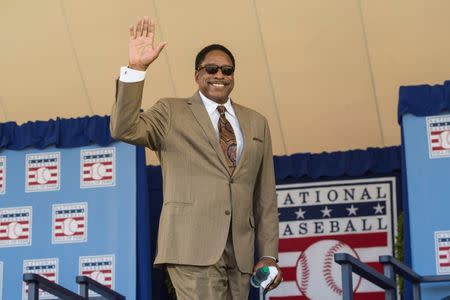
(221,281)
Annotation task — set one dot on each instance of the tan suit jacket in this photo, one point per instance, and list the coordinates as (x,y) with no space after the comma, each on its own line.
(201,199)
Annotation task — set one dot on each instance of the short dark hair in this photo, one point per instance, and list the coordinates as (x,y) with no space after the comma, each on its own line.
(202,54)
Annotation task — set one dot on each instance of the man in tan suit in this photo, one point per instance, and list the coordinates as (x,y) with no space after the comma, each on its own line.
(217,164)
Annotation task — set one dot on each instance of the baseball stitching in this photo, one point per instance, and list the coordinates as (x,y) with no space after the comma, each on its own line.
(329,256)
(305,273)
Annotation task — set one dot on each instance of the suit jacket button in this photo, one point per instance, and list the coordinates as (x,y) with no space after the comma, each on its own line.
(231,180)
(227,212)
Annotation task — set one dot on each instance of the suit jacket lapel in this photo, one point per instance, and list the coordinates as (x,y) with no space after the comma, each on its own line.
(200,113)
(244,123)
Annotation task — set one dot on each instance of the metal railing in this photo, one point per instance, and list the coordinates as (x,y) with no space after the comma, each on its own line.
(391,268)
(87,283)
(36,282)
(352,265)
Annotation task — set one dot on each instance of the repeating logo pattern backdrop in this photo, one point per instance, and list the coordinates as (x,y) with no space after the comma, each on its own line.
(68,212)
(427,156)
(320,219)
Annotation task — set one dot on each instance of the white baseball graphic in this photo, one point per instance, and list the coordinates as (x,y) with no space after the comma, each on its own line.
(318,276)
(98,276)
(70,226)
(43,175)
(98,170)
(14,230)
(445,139)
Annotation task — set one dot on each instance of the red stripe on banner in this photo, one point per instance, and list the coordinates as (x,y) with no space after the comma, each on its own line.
(289,273)
(22,237)
(31,176)
(62,234)
(437,132)
(377,266)
(369,296)
(74,218)
(103,178)
(9,222)
(437,148)
(444,264)
(47,275)
(91,271)
(440,256)
(378,239)
(444,248)
(48,182)
(106,163)
(86,172)
(47,167)
(2,230)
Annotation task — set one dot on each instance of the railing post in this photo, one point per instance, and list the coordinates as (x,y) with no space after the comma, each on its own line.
(390,294)
(84,290)
(347,284)
(416,290)
(33,291)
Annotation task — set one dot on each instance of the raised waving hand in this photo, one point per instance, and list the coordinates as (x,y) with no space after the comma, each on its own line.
(141,49)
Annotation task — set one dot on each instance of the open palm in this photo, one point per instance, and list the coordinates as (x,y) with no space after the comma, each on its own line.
(141,49)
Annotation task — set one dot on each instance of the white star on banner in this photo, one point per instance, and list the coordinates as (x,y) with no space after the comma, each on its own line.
(378,209)
(352,210)
(326,212)
(300,213)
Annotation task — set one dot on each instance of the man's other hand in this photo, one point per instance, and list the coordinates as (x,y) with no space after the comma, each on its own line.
(267,261)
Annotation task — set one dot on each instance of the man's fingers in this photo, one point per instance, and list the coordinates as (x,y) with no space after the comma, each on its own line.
(152,30)
(139,28)
(131,29)
(145,27)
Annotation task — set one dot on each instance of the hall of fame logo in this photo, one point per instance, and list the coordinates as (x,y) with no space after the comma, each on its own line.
(438,128)
(2,174)
(320,219)
(442,245)
(42,172)
(69,223)
(97,167)
(47,267)
(99,268)
(15,226)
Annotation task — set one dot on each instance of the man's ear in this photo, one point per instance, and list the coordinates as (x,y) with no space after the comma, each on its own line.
(196,76)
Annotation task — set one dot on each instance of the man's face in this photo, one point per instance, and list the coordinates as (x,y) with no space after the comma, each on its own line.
(218,86)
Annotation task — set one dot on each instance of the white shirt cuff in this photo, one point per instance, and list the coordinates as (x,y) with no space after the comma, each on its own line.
(130,75)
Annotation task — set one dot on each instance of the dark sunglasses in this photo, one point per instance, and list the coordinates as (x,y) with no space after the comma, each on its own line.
(213,69)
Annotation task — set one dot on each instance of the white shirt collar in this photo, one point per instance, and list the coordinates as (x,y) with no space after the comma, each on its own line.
(211,106)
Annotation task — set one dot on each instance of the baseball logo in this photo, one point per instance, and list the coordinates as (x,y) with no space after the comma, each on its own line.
(98,170)
(43,175)
(318,276)
(69,226)
(14,230)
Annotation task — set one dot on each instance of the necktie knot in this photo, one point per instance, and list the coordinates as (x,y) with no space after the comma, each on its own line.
(221,110)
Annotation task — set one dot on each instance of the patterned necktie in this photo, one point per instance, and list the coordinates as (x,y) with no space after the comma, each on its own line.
(227,139)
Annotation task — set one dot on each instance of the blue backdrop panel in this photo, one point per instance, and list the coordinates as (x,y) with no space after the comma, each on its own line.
(426,169)
(109,226)
(116,216)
